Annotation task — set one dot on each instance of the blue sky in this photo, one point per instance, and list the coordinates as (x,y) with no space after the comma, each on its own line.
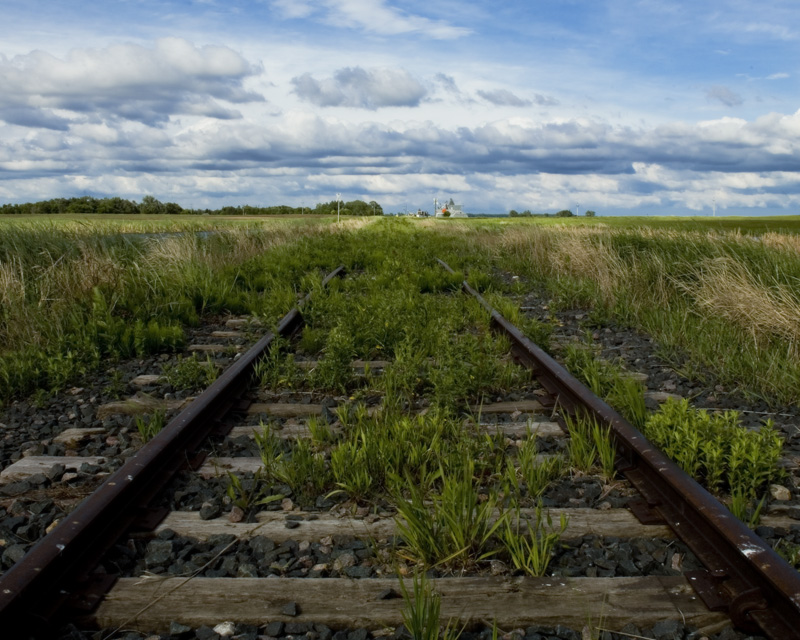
(621,106)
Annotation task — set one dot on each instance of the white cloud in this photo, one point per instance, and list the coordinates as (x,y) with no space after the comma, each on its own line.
(361,88)
(373,16)
(128,81)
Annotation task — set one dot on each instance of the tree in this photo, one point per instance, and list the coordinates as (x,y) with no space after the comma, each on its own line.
(151,206)
(513,213)
(565,213)
(117,205)
(86,204)
(589,213)
(527,213)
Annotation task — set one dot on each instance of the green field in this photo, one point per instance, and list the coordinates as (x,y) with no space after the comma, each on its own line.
(720,295)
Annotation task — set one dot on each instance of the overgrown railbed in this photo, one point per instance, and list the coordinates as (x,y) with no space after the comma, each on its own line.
(391,309)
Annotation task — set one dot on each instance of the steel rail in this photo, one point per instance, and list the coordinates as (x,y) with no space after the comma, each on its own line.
(58,565)
(745,577)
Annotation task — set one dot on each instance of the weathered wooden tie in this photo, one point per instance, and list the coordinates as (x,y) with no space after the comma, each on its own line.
(152,604)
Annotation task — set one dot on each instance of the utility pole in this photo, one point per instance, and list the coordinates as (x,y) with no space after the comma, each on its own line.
(338,200)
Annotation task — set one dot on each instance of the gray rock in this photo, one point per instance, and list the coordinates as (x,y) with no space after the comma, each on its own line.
(56,471)
(158,553)
(274,629)
(16,488)
(358,571)
(344,561)
(179,630)
(290,609)
(668,630)
(261,546)
(206,633)
(210,510)
(13,554)
(323,632)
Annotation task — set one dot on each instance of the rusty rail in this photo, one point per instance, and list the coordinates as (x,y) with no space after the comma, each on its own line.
(58,568)
(744,577)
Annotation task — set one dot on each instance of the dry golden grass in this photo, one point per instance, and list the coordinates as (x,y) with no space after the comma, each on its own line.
(12,283)
(560,250)
(789,242)
(727,289)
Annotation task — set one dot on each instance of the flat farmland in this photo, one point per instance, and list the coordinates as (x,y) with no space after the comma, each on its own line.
(392,437)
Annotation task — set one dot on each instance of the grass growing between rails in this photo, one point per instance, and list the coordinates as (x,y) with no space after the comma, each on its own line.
(448,481)
(402,308)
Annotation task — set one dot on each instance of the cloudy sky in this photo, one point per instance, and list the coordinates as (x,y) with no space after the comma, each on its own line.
(621,106)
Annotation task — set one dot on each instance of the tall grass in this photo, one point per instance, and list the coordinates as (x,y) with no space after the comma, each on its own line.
(730,301)
(73,294)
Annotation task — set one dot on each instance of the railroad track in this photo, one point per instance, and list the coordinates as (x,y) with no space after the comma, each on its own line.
(339,559)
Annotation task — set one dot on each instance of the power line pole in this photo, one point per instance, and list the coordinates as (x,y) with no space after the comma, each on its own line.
(338,200)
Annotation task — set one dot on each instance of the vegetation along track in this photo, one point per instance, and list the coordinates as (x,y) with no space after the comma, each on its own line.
(342,476)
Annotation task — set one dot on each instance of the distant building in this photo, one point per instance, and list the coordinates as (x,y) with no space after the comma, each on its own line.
(451,210)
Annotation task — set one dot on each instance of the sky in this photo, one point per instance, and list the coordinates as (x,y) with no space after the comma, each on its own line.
(624,107)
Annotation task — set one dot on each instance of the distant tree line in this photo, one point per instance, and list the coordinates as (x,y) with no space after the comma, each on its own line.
(152,206)
(564,213)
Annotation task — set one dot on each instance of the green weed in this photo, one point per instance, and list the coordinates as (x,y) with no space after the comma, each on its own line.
(305,470)
(149,427)
(247,493)
(190,373)
(422,612)
(456,527)
(717,449)
(538,473)
(531,553)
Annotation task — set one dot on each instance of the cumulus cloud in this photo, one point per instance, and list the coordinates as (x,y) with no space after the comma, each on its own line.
(724,95)
(361,88)
(128,81)
(596,163)
(373,16)
(25,116)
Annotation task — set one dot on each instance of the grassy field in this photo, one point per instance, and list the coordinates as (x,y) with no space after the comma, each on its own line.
(749,225)
(112,224)
(76,295)
(729,300)
(722,291)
